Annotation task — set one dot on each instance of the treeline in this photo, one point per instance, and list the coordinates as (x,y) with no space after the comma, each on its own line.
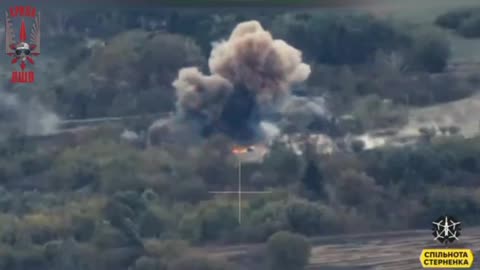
(107,204)
(109,197)
(465,22)
(132,72)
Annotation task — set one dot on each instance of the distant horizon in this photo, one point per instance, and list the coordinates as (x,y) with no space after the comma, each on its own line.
(388,5)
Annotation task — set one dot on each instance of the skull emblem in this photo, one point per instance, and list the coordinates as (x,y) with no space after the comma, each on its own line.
(22,50)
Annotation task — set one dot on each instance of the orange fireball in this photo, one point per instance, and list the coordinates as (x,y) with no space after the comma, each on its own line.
(242,149)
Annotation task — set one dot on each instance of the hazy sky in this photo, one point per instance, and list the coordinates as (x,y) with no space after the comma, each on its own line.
(386,5)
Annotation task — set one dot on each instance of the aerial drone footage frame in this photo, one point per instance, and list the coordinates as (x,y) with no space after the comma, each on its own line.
(282,135)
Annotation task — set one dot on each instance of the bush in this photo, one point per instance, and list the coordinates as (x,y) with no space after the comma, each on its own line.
(190,190)
(44,227)
(453,19)
(356,189)
(427,133)
(283,167)
(211,222)
(74,175)
(83,227)
(430,51)
(454,130)
(265,219)
(154,222)
(288,251)
(313,180)
(308,218)
(470,28)
(107,237)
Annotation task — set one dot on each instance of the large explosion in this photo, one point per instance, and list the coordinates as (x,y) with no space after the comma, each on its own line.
(251,74)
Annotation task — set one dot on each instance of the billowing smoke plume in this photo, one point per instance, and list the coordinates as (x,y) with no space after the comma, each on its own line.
(302,112)
(251,74)
(26,117)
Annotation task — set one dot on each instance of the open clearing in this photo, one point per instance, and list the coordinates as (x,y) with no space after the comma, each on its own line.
(377,251)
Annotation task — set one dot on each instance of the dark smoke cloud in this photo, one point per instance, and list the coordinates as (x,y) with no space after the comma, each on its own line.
(251,74)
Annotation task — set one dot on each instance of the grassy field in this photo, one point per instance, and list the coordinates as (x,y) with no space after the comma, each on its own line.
(382,251)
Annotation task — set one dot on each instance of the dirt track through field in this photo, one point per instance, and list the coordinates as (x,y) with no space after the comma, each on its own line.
(382,251)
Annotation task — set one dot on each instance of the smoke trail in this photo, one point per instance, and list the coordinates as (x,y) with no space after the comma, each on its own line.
(251,73)
(27,117)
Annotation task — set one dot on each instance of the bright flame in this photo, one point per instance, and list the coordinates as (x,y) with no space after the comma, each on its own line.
(240,150)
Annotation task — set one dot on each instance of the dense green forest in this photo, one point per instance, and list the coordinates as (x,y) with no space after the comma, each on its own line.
(106,203)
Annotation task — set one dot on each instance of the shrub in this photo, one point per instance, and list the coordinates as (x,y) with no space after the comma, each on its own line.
(308,218)
(356,189)
(282,166)
(211,222)
(427,133)
(217,220)
(44,227)
(313,180)
(454,130)
(190,190)
(430,51)
(288,251)
(106,237)
(83,227)
(74,175)
(265,219)
(154,222)
(453,19)
(470,28)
